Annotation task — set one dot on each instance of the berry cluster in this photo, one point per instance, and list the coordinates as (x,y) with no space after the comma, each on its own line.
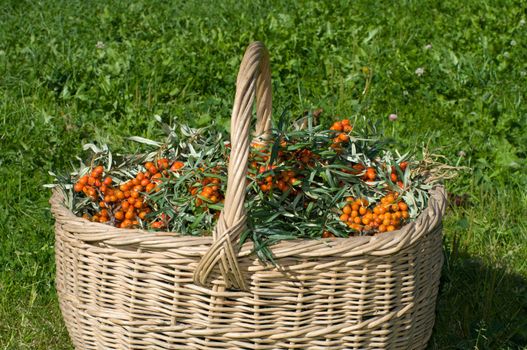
(342,129)
(124,205)
(208,192)
(386,216)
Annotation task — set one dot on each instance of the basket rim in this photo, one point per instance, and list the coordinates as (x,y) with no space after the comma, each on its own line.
(382,244)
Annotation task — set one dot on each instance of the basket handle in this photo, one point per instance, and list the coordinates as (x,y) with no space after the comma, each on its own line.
(254,80)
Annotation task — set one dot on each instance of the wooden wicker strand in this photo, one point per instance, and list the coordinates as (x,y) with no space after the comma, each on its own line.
(254,79)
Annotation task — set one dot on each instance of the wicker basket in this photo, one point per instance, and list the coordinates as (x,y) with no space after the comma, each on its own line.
(131,289)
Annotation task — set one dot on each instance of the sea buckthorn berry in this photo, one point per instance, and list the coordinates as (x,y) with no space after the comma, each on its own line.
(354,213)
(394,207)
(119,215)
(327,234)
(390,228)
(78,187)
(405,214)
(362,210)
(343,138)
(84,179)
(162,163)
(371,174)
(157,225)
(107,181)
(403,206)
(393,177)
(346,209)
(344,217)
(366,221)
(178,165)
(153,170)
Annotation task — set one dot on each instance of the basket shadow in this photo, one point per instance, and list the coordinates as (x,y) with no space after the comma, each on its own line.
(479,306)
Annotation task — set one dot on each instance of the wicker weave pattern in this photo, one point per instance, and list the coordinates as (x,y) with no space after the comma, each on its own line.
(129,289)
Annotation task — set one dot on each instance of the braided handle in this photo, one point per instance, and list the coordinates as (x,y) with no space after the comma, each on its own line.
(254,80)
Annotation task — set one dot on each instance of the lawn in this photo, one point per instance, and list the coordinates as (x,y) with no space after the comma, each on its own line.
(73,72)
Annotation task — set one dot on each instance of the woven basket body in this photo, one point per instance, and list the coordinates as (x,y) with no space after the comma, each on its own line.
(132,289)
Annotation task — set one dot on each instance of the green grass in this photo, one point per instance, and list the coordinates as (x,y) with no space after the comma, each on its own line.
(179,60)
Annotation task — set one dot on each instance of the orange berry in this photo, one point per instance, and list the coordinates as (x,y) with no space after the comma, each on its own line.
(346,209)
(344,217)
(327,234)
(177,165)
(403,206)
(390,228)
(362,210)
(84,180)
(357,220)
(370,174)
(78,187)
(343,137)
(153,170)
(119,215)
(162,163)
(157,225)
(394,207)
(405,214)
(354,213)
(382,228)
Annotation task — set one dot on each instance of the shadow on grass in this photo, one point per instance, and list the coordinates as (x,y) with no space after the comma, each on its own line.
(479,306)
